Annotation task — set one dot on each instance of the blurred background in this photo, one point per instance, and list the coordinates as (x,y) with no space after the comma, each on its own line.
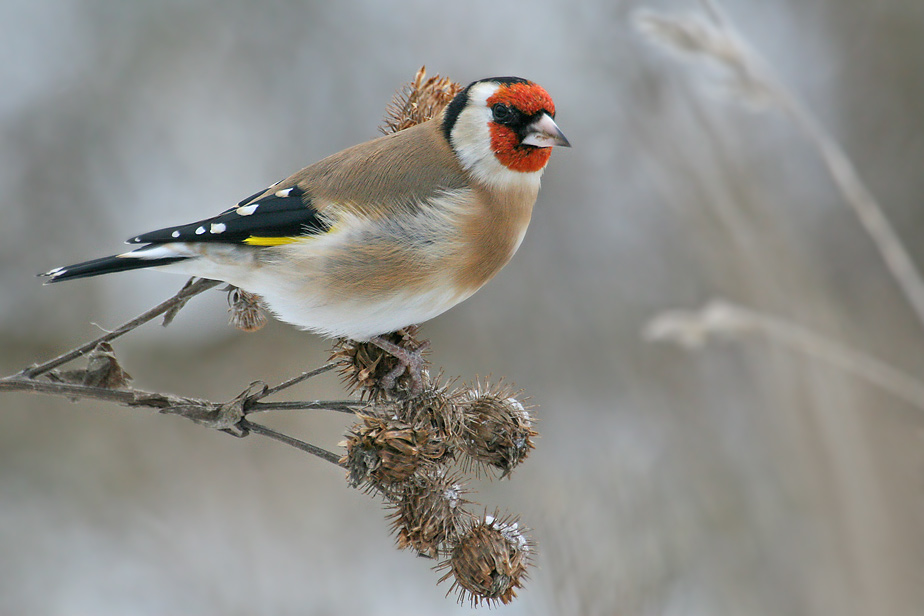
(742,478)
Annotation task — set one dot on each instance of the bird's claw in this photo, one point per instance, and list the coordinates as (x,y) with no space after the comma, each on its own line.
(409,360)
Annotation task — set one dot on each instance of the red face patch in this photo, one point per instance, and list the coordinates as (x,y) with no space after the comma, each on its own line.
(528,98)
(507,149)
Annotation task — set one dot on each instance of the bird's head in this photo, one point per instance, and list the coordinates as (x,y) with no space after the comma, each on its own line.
(503,129)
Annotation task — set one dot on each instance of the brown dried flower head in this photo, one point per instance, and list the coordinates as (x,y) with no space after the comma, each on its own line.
(419,101)
(364,366)
(498,427)
(429,513)
(436,409)
(489,562)
(382,452)
(247,312)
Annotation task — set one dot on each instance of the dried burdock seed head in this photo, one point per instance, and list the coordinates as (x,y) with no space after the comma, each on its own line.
(437,409)
(489,562)
(365,367)
(381,453)
(359,364)
(419,101)
(429,513)
(498,427)
(247,312)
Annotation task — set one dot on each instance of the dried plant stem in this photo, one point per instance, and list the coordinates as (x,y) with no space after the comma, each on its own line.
(842,170)
(226,416)
(714,13)
(339,406)
(863,203)
(695,328)
(249,426)
(128,397)
(191,289)
(161,401)
(302,377)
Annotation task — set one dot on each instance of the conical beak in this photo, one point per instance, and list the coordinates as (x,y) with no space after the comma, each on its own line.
(544,133)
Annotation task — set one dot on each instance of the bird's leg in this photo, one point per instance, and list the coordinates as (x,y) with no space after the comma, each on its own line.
(410,360)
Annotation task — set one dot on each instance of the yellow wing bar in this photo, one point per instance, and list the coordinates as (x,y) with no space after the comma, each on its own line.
(256,240)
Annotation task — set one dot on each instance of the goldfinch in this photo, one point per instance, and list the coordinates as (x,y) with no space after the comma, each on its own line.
(382,235)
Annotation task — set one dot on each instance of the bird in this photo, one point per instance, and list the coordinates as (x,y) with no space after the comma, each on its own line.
(382,235)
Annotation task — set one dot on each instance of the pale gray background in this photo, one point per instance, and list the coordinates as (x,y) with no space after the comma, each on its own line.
(742,479)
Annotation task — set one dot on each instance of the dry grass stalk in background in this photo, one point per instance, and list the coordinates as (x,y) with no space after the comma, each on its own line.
(693,329)
(407,439)
(749,80)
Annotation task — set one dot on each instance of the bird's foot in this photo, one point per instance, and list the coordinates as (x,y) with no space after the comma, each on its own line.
(410,360)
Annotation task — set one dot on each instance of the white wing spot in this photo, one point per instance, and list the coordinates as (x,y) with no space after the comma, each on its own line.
(175,234)
(282,194)
(217,227)
(200,230)
(247,210)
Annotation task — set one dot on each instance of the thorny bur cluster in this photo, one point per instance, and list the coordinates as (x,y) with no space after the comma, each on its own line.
(414,450)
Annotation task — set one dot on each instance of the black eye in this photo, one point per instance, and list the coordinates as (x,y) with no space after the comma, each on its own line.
(502,113)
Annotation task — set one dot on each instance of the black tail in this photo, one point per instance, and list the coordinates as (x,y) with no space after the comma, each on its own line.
(105,265)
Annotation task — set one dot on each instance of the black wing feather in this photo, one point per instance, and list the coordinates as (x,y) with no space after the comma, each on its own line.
(281,214)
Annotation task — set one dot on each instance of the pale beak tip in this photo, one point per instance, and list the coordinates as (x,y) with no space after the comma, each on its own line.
(544,133)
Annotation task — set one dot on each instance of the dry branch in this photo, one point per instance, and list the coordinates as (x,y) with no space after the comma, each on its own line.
(169,308)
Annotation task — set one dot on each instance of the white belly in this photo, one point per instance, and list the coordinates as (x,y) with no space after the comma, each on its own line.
(301,300)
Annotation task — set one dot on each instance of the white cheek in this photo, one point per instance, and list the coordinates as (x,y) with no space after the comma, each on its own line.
(471,138)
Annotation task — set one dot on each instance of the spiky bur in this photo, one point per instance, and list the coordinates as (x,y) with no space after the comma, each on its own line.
(398,438)
(498,431)
(429,513)
(382,453)
(365,367)
(419,101)
(246,310)
(489,562)
(437,410)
